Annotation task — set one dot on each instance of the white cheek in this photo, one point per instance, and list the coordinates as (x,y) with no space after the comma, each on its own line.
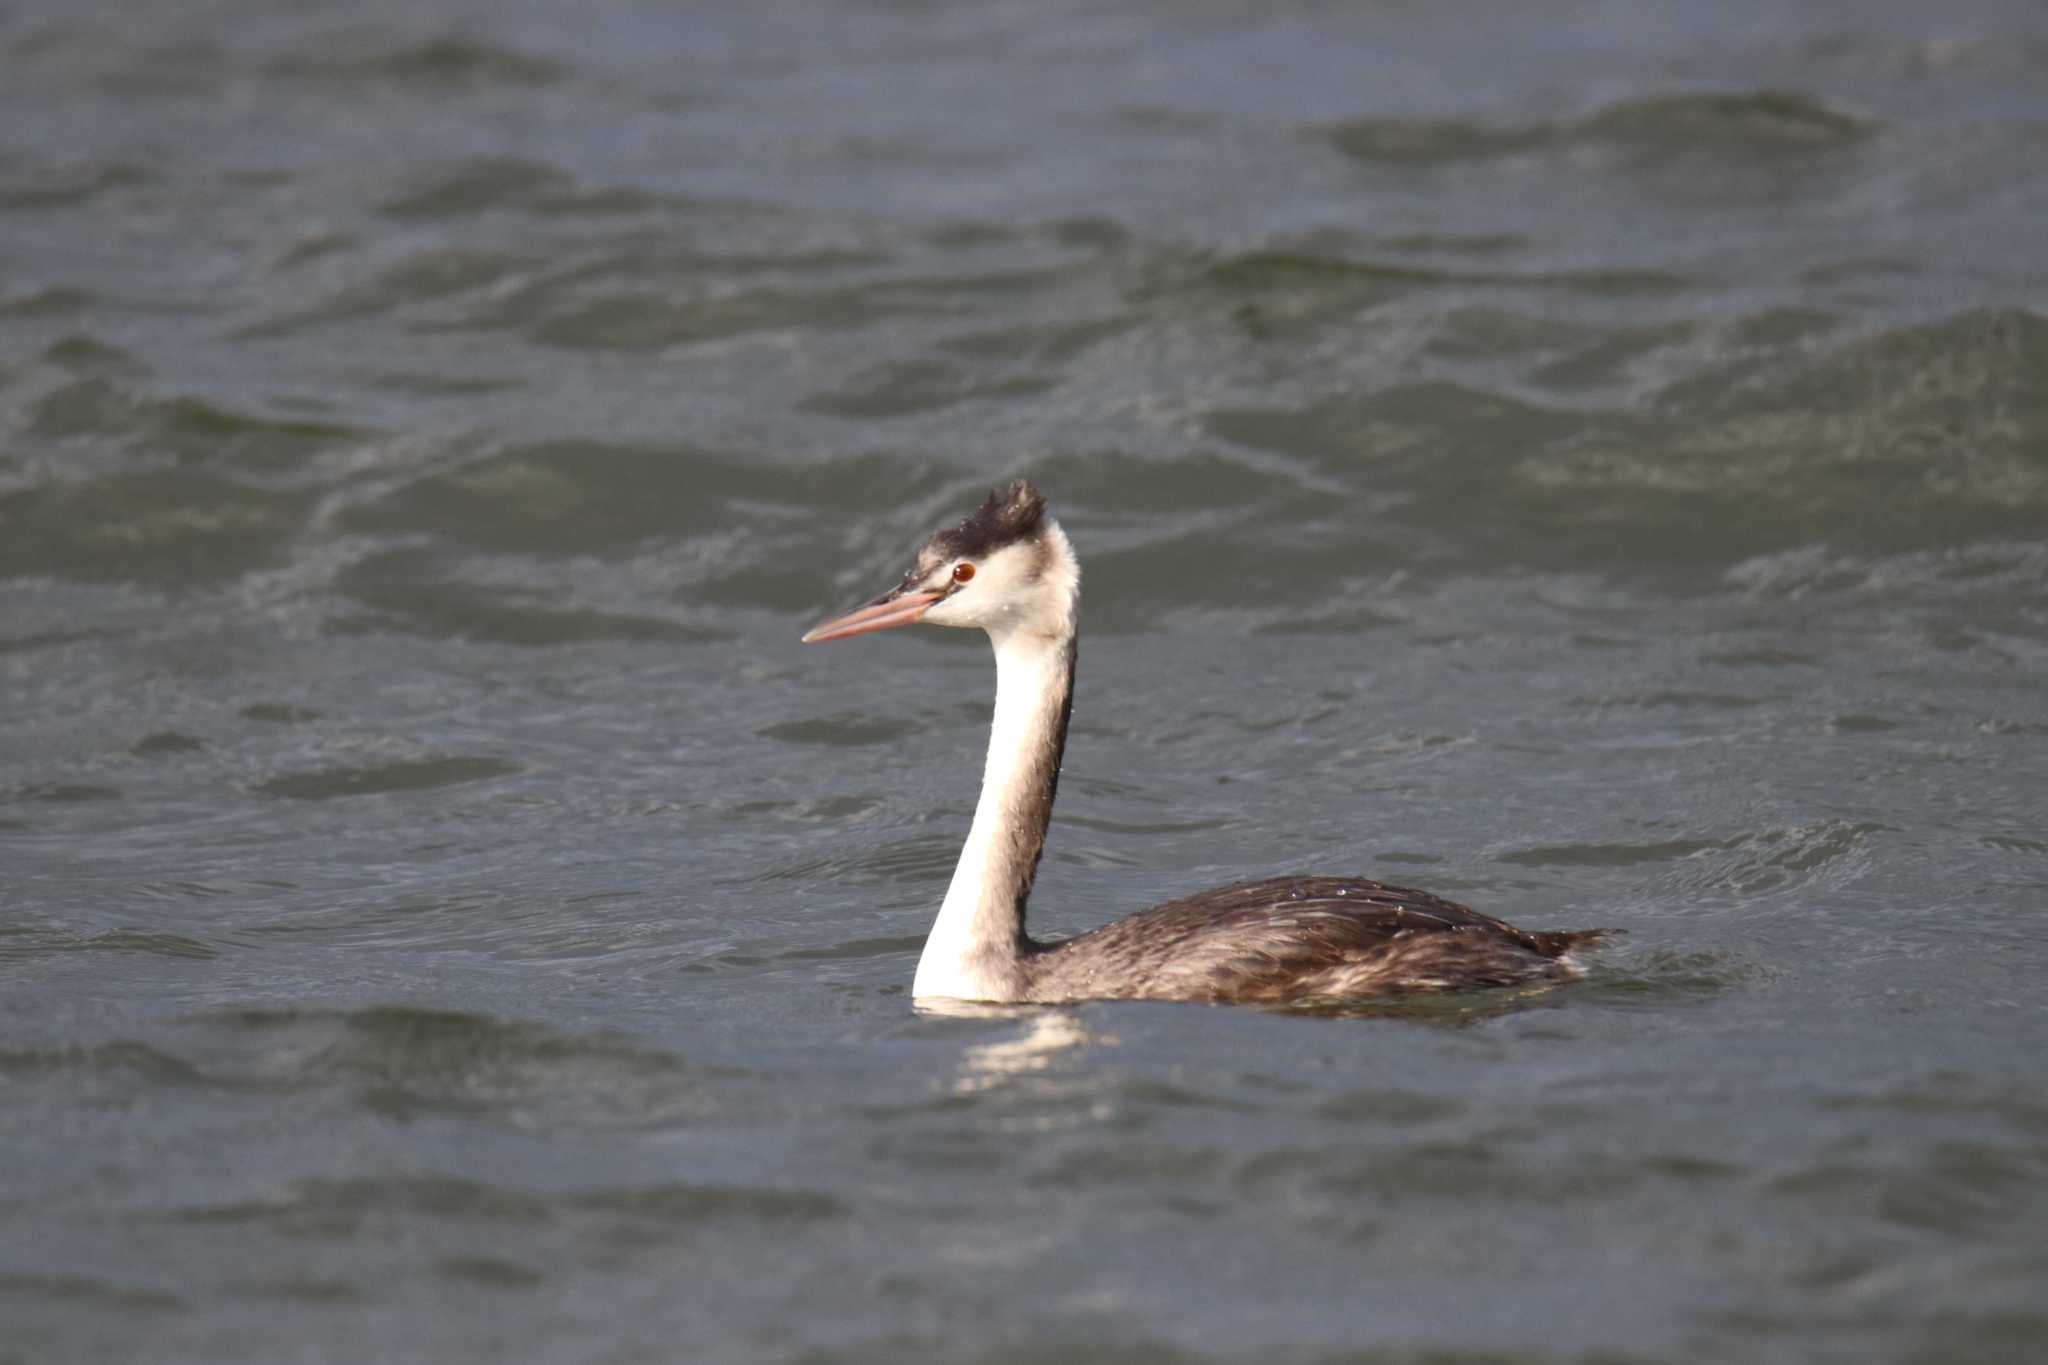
(970,608)
(954,611)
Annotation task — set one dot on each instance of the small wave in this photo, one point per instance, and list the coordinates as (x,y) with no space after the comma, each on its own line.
(189,428)
(1401,1107)
(78,1291)
(1298,286)
(823,810)
(1040,344)
(474,187)
(50,300)
(635,321)
(446,63)
(903,388)
(1952,1094)
(691,1204)
(309,1290)
(1134,1162)
(403,1061)
(1769,862)
(278,713)
(414,592)
(1741,866)
(1615,855)
(1917,438)
(856,949)
(347,1208)
(65,792)
(1760,121)
(339,1208)
(846,728)
(913,861)
(165,742)
(1434,140)
(1960,1189)
(39,184)
(569,497)
(150,943)
(1657,979)
(157,528)
(422,279)
(1740,122)
(2010,726)
(1481,1172)
(82,353)
(1685,698)
(421,774)
(490,1272)
(122,1056)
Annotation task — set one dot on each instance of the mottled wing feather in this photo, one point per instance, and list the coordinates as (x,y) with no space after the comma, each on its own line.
(1283,937)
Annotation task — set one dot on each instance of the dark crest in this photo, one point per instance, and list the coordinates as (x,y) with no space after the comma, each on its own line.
(1009,515)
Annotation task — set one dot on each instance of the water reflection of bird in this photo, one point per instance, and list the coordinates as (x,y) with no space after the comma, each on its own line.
(1009,570)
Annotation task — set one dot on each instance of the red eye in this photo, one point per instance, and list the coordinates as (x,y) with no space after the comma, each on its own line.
(962,572)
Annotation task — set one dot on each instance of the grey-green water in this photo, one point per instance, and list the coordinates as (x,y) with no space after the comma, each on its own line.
(1587,459)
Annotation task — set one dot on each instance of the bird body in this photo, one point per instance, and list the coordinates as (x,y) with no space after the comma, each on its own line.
(1010,570)
(1286,939)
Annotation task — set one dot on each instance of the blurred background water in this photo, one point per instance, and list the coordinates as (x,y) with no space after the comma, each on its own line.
(1587,459)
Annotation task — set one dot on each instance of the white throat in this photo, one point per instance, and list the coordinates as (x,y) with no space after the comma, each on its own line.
(977,944)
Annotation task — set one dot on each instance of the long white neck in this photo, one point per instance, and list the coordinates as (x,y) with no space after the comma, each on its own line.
(978,941)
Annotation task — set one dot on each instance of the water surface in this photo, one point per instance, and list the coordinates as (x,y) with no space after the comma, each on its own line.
(1590,463)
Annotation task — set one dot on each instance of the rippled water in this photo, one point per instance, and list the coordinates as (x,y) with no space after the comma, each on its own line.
(1589,462)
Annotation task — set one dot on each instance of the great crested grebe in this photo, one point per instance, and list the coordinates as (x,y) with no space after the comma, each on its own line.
(1009,570)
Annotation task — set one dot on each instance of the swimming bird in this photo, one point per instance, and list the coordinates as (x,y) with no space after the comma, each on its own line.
(1010,570)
